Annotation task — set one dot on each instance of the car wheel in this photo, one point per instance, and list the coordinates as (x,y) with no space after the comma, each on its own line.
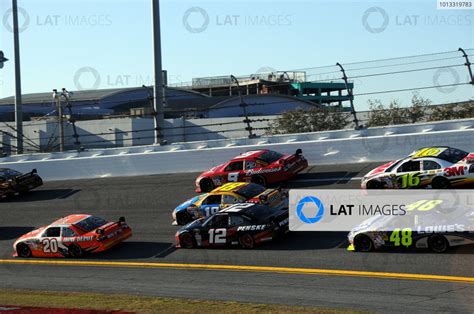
(183,218)
(206,185)
(23,250)
(440,183)
(363,243)
(259,180)
(75,251)
(438,244)
(247,241)
(372,185)
(186,240)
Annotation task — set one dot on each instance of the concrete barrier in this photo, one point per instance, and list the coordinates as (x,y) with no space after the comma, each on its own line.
(332,147)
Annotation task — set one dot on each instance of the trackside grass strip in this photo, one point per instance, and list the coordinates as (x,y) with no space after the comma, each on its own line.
(143,304)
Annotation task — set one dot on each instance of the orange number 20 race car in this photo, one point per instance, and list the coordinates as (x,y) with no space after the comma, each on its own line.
(72,236)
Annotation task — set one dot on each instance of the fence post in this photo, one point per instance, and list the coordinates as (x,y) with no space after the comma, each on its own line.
(243,105)
(66,94)
(468,65)
(351,96)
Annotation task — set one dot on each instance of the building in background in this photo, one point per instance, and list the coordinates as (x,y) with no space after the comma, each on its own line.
(213,97)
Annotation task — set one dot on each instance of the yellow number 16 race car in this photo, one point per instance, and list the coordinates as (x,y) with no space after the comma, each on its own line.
(208,204)
(438,167)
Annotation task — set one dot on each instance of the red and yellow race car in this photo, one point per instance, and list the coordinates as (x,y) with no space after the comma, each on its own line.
(260,166)
(72,236)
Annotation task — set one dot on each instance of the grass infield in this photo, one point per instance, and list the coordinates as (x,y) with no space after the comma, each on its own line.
(142,304)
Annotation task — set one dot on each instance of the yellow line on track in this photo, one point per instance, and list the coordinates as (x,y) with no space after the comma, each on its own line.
(261,269)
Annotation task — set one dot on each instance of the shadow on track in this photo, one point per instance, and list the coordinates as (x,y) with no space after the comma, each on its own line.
(134,250)
(10,233)
(41,195)
(303,180)
(300,241)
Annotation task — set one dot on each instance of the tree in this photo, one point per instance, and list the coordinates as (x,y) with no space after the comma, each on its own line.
(311,120)
(378,115)
(418,110)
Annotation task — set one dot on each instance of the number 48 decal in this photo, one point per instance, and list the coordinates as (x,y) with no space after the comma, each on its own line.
(405,239)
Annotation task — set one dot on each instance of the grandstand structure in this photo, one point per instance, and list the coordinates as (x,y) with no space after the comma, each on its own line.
(210,97)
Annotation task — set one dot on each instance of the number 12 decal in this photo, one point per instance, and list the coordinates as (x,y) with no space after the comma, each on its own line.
(217,236)
(50,245)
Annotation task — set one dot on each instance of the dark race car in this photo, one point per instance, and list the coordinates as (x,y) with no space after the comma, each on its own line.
(245,224)
(260,166)
(13,182)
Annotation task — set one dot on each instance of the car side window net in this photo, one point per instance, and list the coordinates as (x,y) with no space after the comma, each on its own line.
(235,166)
(52,232)
(410,166)
(212,199)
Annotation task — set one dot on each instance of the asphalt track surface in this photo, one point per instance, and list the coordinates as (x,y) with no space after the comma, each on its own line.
(147,202)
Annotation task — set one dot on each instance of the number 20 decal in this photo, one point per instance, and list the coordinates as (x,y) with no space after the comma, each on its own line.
(50,245)
(217,236)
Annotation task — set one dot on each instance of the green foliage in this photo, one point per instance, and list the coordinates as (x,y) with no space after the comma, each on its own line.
(396,114)
(312,120)
(453,111)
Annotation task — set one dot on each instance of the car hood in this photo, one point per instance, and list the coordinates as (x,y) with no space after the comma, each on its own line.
(213,170)
(191,201)
(197,224)
(380,169)
(31,234)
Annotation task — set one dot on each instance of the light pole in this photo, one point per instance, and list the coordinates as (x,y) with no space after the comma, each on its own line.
(244,105)
(18,103)
(158,74)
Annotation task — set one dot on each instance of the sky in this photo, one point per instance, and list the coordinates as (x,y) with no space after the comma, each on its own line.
(84,44)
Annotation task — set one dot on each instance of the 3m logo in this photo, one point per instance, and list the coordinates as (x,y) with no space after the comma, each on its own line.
(454,171)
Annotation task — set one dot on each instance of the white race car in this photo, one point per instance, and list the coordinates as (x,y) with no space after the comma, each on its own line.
(438,167)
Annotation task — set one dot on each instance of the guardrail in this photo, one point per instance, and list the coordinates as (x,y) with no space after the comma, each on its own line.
(331,147)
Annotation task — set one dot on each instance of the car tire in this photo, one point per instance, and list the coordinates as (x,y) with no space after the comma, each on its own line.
(23,250)
(187,241)
(75,251)
(440,183)
(362,243)
(206,185)
(374,185)
(259,180)
(438,244)
(183,218)
(246,241)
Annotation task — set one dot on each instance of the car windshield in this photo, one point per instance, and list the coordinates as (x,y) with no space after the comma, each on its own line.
(250,190)
(91,223)
(453,155)
(270,156)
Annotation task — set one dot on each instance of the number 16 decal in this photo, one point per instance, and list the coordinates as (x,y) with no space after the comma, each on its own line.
(50,245)
(217,236)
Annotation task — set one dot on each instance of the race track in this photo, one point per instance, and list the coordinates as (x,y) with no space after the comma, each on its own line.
(147,203)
